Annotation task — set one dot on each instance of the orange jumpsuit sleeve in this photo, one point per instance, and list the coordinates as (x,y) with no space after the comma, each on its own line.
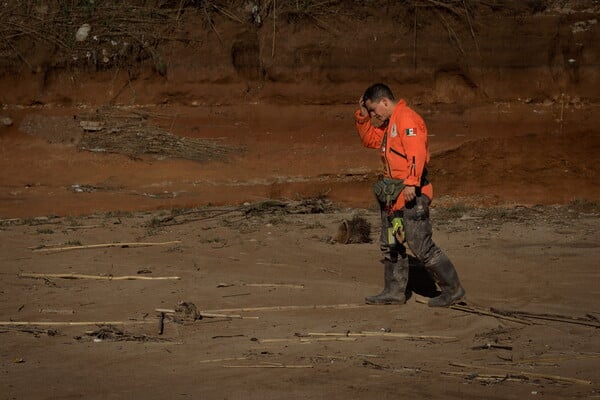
(414,141)
(370,135)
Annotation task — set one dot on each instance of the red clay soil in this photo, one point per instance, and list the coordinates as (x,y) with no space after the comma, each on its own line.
(509,94)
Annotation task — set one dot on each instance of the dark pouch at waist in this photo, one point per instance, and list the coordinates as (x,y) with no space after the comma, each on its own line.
(387,190)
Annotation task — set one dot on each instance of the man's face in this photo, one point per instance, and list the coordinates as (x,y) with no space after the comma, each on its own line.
(378,109)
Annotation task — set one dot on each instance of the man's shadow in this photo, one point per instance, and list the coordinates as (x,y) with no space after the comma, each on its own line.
(419,280)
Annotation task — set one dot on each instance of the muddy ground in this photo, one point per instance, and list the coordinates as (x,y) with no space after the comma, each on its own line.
(278,268)
(509,91)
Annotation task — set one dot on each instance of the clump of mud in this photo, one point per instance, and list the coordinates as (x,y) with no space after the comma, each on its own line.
(356,230)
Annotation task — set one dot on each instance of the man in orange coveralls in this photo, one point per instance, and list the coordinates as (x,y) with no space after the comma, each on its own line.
(404,195)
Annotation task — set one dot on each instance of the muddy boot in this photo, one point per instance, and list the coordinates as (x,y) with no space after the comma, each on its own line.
(447,278)
(395,280)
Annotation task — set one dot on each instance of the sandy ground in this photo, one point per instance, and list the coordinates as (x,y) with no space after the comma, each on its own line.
(279,269)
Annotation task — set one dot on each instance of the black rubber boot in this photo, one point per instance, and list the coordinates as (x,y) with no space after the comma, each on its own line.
(395,280)
(447,279)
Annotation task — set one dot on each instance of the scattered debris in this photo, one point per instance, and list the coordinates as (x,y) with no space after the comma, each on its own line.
(56,311)
(113,131)
(113,334)
(488,378)
(77,188)
(527,375)
(492,346)
(33,330)
(370,364)
(316,205)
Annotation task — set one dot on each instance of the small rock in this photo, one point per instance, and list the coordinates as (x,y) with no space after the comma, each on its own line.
(6,121)
(83,32)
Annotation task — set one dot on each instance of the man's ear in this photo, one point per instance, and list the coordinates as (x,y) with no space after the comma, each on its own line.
(385,101)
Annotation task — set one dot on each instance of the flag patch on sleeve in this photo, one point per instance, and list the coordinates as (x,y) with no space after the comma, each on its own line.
(411,131)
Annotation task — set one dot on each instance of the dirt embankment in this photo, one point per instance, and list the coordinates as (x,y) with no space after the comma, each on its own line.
(239,52)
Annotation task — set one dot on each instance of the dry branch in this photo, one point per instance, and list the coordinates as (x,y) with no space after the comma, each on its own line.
(548,317)
(98,277)
(481,311)
(104,245)
(476,310)
(32,330)
(113,131)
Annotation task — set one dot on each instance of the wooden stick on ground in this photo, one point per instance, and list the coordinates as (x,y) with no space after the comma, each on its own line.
(222,359)
(70,323)
(284,285)
(527,374)
(268,366)
(291,308)
(98,277)
(382,334)
(103,245)
(308,340)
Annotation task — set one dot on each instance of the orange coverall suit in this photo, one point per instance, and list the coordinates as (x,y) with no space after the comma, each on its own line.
(403,146)
(404,151)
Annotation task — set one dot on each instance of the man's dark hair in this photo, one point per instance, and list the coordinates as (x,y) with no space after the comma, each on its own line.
(376,92)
